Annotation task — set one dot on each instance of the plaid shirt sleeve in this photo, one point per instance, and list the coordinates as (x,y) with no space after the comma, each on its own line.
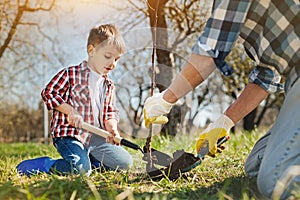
(267,79)
(55,90)
(220,34)
(221,31)
(110,110)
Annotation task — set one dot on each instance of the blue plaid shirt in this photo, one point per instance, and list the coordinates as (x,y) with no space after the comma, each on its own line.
(269,30)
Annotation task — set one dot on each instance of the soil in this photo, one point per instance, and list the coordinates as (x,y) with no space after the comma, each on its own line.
(158,157)
(182,162)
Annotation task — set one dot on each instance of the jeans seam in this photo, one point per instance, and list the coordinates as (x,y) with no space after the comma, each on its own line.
(285,154)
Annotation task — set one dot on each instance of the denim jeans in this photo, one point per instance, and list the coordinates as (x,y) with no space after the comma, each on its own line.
(279,150)
(77,159)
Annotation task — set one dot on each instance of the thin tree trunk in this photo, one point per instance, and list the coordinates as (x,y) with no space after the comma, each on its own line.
(164,59)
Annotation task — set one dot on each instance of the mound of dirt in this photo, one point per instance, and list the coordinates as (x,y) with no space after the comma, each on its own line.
(182,162)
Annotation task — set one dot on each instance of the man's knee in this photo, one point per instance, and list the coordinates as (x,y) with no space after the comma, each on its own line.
(251,166)
(254,159)
(265,183)
(288,184)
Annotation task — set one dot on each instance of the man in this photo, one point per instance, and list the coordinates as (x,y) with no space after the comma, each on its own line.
(269,30)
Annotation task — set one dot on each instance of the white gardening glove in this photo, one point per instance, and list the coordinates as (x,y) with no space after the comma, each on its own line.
(154,109)
(209,137)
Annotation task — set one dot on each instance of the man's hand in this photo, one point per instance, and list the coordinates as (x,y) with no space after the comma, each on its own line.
(208,139)
(154,109)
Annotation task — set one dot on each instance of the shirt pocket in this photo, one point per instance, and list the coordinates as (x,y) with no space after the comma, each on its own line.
(80,95)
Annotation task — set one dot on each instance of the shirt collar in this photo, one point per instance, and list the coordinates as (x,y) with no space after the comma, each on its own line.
(95,74)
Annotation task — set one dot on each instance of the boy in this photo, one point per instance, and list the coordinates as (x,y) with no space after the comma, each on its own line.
(80,94)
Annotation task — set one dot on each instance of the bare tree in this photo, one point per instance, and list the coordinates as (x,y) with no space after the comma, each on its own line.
(10,20)
(16,34)
(174,26)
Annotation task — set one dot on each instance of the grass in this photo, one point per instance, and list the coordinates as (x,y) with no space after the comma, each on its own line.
(216,178)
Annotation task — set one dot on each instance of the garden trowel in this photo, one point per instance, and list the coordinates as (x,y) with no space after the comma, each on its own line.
(160,157)
(182,162)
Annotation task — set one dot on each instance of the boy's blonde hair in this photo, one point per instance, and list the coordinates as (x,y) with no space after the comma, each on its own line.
(106,34)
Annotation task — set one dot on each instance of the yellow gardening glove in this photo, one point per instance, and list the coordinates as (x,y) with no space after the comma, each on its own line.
(207,142)
(154,109)
(154,120)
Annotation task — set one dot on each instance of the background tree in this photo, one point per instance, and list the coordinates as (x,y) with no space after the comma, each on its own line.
(23,49)
(174,25)
(19,69)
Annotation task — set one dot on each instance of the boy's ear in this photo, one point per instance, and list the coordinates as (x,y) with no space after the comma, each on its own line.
(91,50)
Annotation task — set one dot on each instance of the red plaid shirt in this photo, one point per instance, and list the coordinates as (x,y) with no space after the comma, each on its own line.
(71,86)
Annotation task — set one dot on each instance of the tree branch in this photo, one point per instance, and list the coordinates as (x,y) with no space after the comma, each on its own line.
(17,21)
(12,31)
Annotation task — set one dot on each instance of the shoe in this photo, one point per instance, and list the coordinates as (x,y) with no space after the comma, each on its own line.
(35,166)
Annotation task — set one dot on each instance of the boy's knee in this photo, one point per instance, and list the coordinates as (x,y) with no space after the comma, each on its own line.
(81,166)
(125,163)
(82,169)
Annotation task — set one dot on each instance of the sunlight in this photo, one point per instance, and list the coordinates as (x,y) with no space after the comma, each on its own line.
(97,2)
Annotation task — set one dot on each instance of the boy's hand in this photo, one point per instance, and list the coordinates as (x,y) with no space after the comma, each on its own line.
(111,126)
(75,119)
(208,139)
(110,139)
(154,109)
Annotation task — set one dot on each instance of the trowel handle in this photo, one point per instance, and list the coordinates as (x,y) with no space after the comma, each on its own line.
(204,150)
(131,145)
(223,139)
(100,132)
(105,134)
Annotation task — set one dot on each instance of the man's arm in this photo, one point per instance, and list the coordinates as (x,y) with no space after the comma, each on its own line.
(221,32)
(250,98)
(194,72)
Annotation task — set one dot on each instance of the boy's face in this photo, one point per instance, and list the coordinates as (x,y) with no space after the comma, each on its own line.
(103,59)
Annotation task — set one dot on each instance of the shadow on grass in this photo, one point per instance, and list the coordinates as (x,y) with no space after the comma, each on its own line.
(231,188)
(71,187)
(56,188)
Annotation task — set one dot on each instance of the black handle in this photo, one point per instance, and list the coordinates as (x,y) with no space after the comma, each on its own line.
(223,140)
(131,145)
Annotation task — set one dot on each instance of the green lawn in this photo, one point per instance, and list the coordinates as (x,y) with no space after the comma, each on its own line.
(216,178)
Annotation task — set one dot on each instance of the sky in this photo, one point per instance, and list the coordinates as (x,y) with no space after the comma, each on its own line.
(75,24)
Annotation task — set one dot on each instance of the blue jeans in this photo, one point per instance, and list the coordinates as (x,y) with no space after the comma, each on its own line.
(77,158)
(276,153)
